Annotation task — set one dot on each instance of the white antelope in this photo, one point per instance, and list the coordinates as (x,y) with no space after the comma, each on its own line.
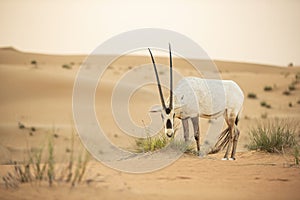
(196,97)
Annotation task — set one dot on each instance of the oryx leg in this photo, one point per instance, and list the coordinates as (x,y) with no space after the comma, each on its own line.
(235,141)
(230,122)
(195,121)
(185,124)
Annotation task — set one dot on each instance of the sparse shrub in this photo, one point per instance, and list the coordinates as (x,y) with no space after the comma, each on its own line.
(268,88)
(286,92)
(34,63)
(151,143)
(66,66)
(21,126)
(273,136)
(36,160)
(80,169)
(71,160)
(22,175)
(298,102)
(154,143)
(38,169)
(265,104)
(290,104)
(50,163)
(252,96)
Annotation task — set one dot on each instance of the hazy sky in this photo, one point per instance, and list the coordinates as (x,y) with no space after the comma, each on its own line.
(241,30)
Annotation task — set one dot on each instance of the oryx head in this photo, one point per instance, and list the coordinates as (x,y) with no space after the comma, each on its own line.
(167,112)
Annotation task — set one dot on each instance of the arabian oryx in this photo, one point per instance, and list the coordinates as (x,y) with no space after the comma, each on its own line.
(208,98)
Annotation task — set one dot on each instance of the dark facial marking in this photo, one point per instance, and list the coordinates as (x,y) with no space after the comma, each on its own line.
(169,124)
(168,110)
(169,135)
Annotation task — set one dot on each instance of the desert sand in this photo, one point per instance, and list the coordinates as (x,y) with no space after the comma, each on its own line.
(39,94)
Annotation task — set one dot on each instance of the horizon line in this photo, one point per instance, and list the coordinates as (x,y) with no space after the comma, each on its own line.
(13,48)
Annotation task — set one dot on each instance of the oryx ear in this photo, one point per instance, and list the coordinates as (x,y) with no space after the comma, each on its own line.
(156,108)
(178,109)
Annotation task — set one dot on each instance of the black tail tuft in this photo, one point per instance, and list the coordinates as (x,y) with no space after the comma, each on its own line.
(222,141)
(237,120)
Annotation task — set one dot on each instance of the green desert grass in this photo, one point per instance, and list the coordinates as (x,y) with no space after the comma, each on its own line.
(265,104)
(252,95)
(149,143)
(268,88)
(66,66)
(275,136)
(40,166)
(157,142)
(160,141)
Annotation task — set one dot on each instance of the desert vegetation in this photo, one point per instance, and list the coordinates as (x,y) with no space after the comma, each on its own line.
(160,141)
(275,136)
(265,104)
(153,143)
(41,167)
(252,95)
(66,66)
(34,63)
(268,88)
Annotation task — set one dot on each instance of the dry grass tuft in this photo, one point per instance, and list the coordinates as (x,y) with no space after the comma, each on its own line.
(41,166)
(273,136)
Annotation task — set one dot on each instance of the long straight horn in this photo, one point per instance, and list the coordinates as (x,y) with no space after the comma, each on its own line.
(171,79)
(158,83)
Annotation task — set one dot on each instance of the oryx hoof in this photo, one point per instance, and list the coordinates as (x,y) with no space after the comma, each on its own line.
(228,158)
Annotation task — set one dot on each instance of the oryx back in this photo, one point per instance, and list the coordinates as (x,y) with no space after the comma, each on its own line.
(207,97)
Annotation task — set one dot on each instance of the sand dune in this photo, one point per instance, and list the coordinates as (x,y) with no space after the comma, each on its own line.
(40,96)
